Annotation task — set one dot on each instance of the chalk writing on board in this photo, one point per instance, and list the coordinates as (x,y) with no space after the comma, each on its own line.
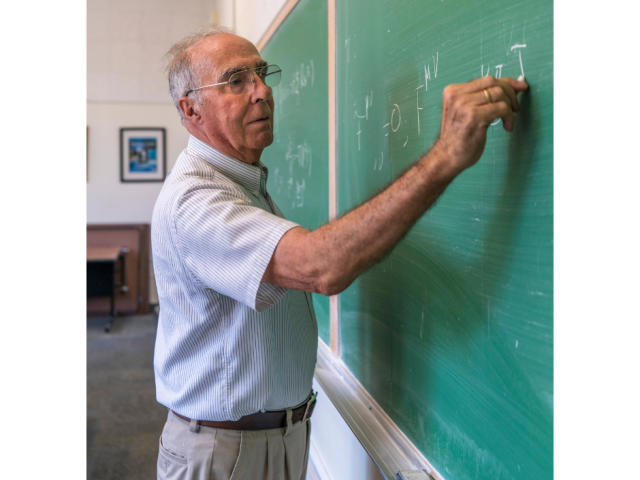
(519,47)
(302,155)
(299,159)
(393,112)
(378,162)
(427,76)
(498,73)
(303,77)
(427,71)
(368,101)
(298,201)
(418,107)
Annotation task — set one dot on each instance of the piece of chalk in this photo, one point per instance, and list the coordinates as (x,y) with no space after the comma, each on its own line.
(521,78)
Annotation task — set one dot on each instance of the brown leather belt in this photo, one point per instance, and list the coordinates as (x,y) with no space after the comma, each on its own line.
(262,420)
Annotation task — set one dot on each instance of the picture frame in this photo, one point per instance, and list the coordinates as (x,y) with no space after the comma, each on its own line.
(143,154)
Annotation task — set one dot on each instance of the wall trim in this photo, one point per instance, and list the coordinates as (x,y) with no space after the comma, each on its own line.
(385,443)
(282,15)
(334,301)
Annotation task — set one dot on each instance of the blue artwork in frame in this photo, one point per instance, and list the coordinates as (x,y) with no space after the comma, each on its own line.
(142,154)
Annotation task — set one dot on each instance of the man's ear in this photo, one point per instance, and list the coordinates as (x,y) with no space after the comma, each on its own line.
(187,107)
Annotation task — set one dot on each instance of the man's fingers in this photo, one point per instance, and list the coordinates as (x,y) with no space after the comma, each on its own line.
(510,94)
(517,85)
(500,92)
(490,112)
(499,97)
(510,86)
(496,93)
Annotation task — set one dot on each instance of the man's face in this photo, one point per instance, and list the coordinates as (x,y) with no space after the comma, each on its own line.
(240,125)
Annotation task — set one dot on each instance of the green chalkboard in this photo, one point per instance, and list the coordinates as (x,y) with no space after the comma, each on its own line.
(452,333)
(298,158)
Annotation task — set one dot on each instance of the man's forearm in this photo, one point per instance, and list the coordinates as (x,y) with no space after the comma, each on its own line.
(330,258)
(354,243)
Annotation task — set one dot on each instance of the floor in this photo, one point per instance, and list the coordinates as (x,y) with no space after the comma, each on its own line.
(124,421)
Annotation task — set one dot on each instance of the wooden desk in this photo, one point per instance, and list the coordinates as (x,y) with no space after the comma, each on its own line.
(101,275)
(103,254)
(135,237)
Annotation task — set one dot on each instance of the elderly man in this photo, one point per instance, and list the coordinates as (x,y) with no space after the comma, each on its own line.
(237,334)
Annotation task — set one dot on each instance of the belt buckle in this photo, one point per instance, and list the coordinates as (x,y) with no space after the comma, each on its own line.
(309,403)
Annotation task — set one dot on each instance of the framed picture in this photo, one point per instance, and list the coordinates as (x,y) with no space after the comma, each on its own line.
(142,154)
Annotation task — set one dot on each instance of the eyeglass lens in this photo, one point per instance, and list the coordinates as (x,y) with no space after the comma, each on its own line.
(242,82)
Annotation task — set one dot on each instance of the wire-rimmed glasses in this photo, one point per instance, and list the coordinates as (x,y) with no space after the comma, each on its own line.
(242,82)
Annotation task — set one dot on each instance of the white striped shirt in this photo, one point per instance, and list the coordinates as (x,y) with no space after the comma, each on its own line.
(227,345)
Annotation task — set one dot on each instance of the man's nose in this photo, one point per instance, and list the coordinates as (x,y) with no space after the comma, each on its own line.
(261,92)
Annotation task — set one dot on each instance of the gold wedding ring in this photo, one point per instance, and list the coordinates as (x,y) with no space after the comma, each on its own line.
(488,95)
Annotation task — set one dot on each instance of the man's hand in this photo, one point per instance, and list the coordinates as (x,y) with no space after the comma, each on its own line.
(467,114)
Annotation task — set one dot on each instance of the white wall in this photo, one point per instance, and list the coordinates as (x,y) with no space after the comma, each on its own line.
(126,87)
(249,18)
(109,200)
(126,41)
(335,451)
(253,17)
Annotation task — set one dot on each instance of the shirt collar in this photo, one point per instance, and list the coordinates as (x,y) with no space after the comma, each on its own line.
(251,177)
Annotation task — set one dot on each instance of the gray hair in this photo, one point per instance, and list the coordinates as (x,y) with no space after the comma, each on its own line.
(181,72)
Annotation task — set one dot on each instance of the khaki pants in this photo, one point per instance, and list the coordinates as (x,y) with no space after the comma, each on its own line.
(217,454)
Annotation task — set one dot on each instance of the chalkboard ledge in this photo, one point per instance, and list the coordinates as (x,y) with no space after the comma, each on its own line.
(387,446)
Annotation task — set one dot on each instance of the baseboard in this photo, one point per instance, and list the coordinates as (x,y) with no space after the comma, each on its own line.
(316,469)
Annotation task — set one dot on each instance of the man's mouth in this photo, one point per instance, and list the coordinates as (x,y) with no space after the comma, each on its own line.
(259,120)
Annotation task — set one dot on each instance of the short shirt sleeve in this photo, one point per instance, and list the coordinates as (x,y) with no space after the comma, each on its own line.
(227,243)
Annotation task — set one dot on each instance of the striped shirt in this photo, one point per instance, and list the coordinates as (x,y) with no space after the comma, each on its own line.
(227,345)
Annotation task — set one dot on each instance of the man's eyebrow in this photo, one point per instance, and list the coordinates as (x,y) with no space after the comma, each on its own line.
(226,74)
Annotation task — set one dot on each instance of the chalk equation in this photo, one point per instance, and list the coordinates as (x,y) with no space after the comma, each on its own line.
(302,77)
(403,121)
(299,161)
(395,120)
